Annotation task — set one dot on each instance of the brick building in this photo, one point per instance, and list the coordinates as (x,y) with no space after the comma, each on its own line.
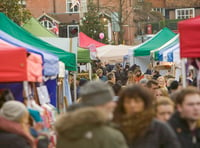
(58,11)
(174,11)
(126,26)
(54,14)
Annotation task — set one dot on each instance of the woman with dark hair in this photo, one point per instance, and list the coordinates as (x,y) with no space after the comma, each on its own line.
(135,117)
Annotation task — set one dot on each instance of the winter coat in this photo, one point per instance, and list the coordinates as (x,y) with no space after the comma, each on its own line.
(187,138)
(159,135)
(143,131)
(12,135)
(87,128)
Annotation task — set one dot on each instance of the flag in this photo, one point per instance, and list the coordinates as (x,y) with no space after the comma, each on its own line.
(93,51)
(55,28)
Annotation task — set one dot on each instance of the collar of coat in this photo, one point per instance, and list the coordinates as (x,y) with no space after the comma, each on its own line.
(180,124)
(15,128)
(137,125)
(74,124)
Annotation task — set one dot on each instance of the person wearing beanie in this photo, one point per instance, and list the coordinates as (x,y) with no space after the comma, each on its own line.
(85,125)
(14,129)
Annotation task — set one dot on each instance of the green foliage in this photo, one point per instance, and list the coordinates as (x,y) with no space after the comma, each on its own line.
(91,24)
(171,24)
(14,10)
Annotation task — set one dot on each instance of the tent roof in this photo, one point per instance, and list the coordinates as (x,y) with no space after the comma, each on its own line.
(15,69)
(17,32)
(85,41)
(83,55)
(189,37)
(35,28)
(170,44)
(24,68)
(113,53)
(50,61)
(158,40)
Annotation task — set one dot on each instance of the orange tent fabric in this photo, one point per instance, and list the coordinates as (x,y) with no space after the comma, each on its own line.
(15,66)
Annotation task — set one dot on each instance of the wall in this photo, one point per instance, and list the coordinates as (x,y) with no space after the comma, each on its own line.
(38,7)
(157,3)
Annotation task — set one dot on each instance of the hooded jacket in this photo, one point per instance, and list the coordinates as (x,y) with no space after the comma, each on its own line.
(87,128)
(187,138)
(12,135)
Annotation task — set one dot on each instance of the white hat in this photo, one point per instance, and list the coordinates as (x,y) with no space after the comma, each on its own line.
(13,110)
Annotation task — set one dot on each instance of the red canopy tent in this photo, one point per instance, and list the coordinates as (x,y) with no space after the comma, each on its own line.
(15,66)
(189,37)
(85,41)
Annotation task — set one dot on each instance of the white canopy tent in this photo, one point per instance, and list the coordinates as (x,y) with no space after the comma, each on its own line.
(112,53)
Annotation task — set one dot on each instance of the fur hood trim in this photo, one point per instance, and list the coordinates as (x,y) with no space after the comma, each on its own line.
(74,124)
(137,125)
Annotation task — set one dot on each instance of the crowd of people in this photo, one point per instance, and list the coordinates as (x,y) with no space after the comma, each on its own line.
(150,110)
(120,108)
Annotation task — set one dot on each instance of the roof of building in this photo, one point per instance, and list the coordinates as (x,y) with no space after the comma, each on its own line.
(66,18)
(182,3)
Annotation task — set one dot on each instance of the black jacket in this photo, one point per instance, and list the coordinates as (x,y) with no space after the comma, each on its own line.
(11,140)
(159,135)
(187,138)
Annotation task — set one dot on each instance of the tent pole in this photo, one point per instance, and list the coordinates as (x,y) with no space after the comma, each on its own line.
(75,88)
(90,71)
(25,92)
(183,72)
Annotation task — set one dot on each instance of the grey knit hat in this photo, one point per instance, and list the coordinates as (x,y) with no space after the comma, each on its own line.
(96,93)
(13,110)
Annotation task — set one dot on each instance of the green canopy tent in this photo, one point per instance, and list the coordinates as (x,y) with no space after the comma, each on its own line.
(157,41)
(9,27)
(35,28)
(83,55)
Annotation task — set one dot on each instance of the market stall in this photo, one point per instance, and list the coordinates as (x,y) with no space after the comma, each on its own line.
(190,45)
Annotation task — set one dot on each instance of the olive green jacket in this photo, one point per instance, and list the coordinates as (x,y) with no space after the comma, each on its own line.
(87,128)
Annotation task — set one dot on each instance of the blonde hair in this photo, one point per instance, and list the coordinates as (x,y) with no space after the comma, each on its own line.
(163,101)
(130,78)
(99,71)
(164,91)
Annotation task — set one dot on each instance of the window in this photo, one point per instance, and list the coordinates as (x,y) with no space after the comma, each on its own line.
(161,10)
(184,13)
(75,9)
(72,31)
(46,23)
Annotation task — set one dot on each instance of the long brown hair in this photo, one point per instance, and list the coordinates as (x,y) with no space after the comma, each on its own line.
(134,126)
(134,91)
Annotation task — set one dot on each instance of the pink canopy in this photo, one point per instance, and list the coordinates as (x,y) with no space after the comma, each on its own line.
(85,41)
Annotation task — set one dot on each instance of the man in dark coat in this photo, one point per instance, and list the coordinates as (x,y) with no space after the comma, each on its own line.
(185,120)
(86,124)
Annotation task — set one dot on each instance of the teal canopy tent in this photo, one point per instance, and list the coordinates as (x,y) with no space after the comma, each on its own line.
(157,41)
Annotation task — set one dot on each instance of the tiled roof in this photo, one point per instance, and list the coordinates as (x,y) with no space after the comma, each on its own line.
(65,17)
